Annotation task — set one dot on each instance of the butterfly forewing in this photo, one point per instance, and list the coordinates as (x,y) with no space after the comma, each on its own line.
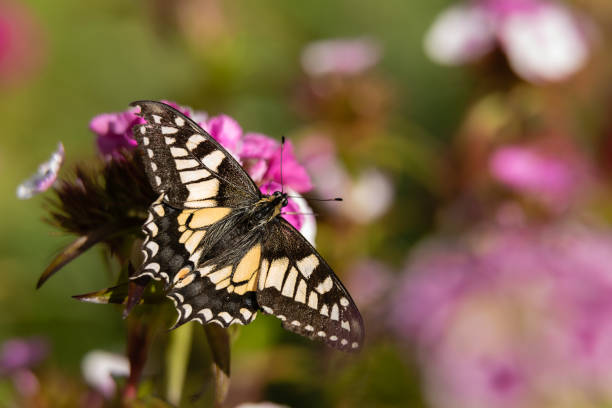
(187,164)
(296,285)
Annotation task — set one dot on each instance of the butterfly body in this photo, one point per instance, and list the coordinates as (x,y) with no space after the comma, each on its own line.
(222,247)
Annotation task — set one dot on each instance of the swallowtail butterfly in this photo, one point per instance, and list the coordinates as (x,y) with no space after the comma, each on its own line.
(221,246)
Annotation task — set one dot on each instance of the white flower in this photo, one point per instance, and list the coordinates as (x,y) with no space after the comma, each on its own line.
(99,367)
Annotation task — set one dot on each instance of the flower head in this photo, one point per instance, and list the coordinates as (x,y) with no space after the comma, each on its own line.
(544,41)
(18,354)
(513,318)
(552,178)
(348,56)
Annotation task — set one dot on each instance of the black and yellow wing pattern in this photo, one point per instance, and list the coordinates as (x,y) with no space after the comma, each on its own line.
(221,257)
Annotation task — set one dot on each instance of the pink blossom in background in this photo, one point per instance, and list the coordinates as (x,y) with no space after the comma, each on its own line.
(368,282)
(344,56)
(100,368)
(17,358)
(21,43)
(511,317)
(554,179)
(366,197)
(224,130)
(543,40)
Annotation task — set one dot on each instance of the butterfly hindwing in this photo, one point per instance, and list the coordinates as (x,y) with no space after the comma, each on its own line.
(222,289)
(186,164)
(296,285)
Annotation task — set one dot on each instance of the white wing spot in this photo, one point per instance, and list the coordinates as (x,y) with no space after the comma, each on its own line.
(344,301)
(153,166)
(321,334)
(143,130)
(213,160)
(296,323)
(153,228)
(309,327)
(187,310)
(150,153)
(344,342)
(169,140)
(178,152)
(156,118)
(276,273)
(159,210)
(313,300)
(345,325)
(158,180)
(194,141)
(355,344)
(335,312)
(186,164)
(324,310)
(153,266)
(246,313)
(153,247)
(193,175)
(267,309)
(203,190)
(207,313)
(289,286)
(307,265)
(168,130)
(179,121)
(282,317)
(145,140)
(226,316)
(325,286)
(333,338)
(300,294)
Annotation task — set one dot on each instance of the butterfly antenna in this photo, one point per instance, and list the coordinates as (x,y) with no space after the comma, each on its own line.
(318,199)
(281,163)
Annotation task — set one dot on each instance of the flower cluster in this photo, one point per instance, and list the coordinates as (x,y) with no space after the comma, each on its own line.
(515,318)
(543,40)
(261,156)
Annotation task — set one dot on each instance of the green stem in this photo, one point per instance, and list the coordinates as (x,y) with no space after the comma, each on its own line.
(177,359)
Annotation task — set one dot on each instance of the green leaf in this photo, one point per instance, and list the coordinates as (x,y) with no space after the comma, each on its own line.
(72,251)
(116,295)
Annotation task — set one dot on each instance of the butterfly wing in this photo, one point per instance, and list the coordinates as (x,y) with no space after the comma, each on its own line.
(222,288)
(186,164)
(296,285)
(203,195)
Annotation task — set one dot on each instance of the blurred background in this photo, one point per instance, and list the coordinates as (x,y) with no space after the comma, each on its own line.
(471,141)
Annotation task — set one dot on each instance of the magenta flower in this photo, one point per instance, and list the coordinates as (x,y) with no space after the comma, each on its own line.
(18,354)
(543,40)
(512,317)
(333,180)
(348,56)
(553,179)
(114,131)
(21,45)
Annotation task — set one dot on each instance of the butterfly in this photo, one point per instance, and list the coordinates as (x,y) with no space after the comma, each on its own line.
(221,246)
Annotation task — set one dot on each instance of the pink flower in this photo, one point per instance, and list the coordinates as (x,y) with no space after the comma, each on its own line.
(45,176)
(553,179)
(114,131)
(224,130)
(21,45)
(348,56)
(544,41)
(365,197)
(511,317)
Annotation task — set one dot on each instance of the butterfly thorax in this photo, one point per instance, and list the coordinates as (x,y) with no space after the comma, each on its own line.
(268,208)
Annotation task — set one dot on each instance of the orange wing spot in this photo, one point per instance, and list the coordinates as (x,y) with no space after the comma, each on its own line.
(248,265)
(208,216)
